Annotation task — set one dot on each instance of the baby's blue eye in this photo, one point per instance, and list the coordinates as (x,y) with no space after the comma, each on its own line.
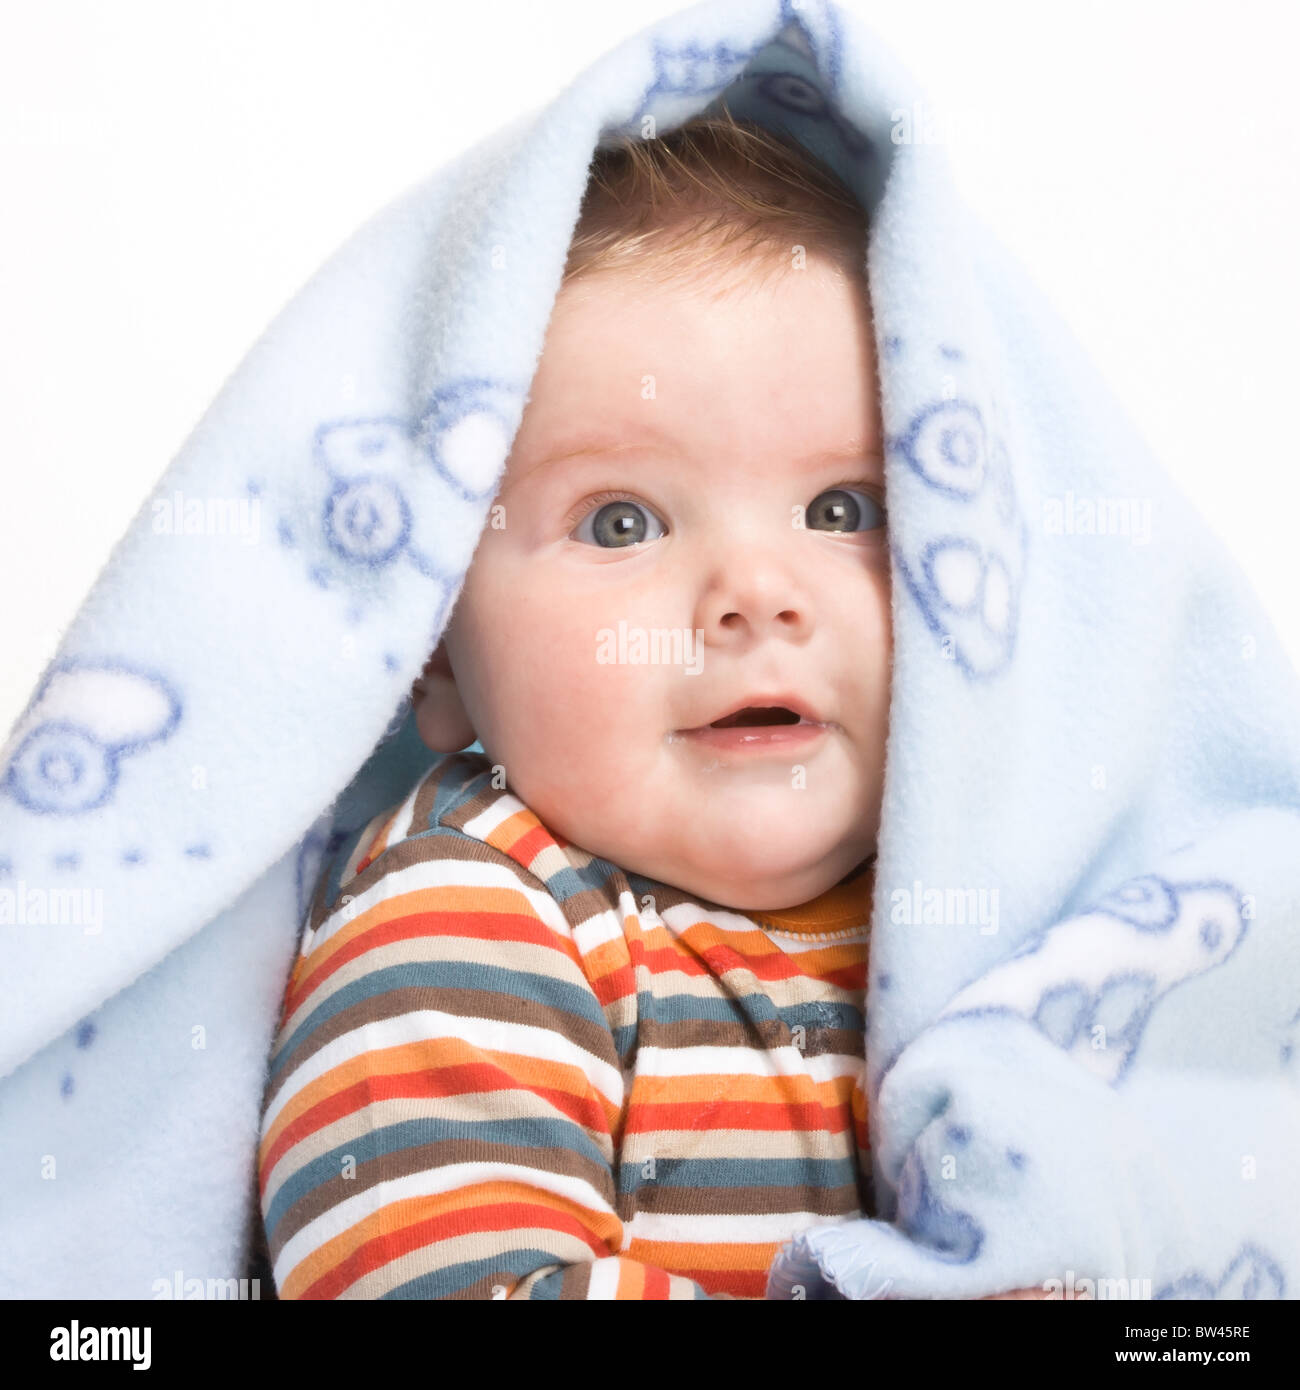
(839,510)
(617,525)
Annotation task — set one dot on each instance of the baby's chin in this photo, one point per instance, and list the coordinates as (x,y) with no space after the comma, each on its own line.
(763,889)
(746,868)
(761,838)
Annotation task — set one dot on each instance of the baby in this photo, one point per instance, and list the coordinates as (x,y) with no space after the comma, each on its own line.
(583,1017)
(701,455)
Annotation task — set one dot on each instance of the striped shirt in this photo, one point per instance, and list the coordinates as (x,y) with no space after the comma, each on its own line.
(506,1068)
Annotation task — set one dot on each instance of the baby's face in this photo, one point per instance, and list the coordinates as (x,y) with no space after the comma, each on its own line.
(721,426)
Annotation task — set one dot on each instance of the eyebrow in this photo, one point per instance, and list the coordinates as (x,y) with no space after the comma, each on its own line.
(600,446)
(593,446)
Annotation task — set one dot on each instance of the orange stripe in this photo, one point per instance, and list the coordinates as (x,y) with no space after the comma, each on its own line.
(468,913)
(609,972)
(772,1117)
(631,1280)
(561,1079)
(375,1087)
(762,957)
(514,828)
(707,1087)
(420,1222)
(528,846)
(377,845)
(691,1259)
(752,1284)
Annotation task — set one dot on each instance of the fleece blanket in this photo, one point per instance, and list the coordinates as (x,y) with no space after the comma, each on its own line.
(1084,996)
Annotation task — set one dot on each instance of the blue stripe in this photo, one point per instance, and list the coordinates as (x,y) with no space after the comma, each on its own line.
(460,779)
(525,1132)
(446,1283)
(820,1173)
(689,1008)
(444,974)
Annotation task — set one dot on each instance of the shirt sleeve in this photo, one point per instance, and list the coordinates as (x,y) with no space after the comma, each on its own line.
(444,1094)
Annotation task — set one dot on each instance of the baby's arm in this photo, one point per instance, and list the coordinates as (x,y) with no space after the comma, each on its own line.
(442,1100)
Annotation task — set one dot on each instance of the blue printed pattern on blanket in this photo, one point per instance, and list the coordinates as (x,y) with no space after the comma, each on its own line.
(81,722)
(1090,983)
(1251,1274)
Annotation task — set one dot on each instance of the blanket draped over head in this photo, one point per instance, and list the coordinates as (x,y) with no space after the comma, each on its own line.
(1084,991)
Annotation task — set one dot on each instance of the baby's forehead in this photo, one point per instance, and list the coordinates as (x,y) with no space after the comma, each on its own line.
(717,391)
(573,460)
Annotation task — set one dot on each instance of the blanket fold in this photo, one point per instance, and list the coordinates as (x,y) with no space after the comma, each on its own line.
(1084,1000)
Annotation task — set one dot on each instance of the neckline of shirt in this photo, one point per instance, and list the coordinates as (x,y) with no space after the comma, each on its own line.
(840,911)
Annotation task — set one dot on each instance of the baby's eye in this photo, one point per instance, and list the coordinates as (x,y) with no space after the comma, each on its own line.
(842,509)
(617,525)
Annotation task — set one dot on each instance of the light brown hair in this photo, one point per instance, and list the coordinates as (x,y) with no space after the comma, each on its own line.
(714,195)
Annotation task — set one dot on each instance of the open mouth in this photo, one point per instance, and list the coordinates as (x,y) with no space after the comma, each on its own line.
(773,722)
(756,716)
(759,730)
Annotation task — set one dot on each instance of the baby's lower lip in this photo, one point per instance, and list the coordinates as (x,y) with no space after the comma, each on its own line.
(756,738)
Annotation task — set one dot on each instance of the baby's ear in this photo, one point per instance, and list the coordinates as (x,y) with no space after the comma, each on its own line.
(437,660)
(440,715)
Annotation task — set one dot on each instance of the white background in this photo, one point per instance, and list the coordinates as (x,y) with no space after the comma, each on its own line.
(173,172)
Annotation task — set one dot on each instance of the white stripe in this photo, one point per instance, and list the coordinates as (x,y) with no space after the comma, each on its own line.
(403,824)
(600,929)
(444,873)
(726,1230)
(794,992)
(744,1061)
(354,1210)
(603,1281)
(373,827)
(488,819)
(422,1025)
(685,915)
(798,944)
(548,861)
(518,1107)
(525,957)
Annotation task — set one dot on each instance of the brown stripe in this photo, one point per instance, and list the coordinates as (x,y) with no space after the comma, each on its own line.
(425,797)
(427,848)
(424,1158)
(576,1281)
(666,896)
(467,768)
(485,1287)
(578,908)
(320,906)
(668,1200)
(421,845)
(771,1032)
(590,1036)
(426,792)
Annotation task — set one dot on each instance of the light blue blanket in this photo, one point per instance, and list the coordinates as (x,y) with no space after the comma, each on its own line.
(1084,1003)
